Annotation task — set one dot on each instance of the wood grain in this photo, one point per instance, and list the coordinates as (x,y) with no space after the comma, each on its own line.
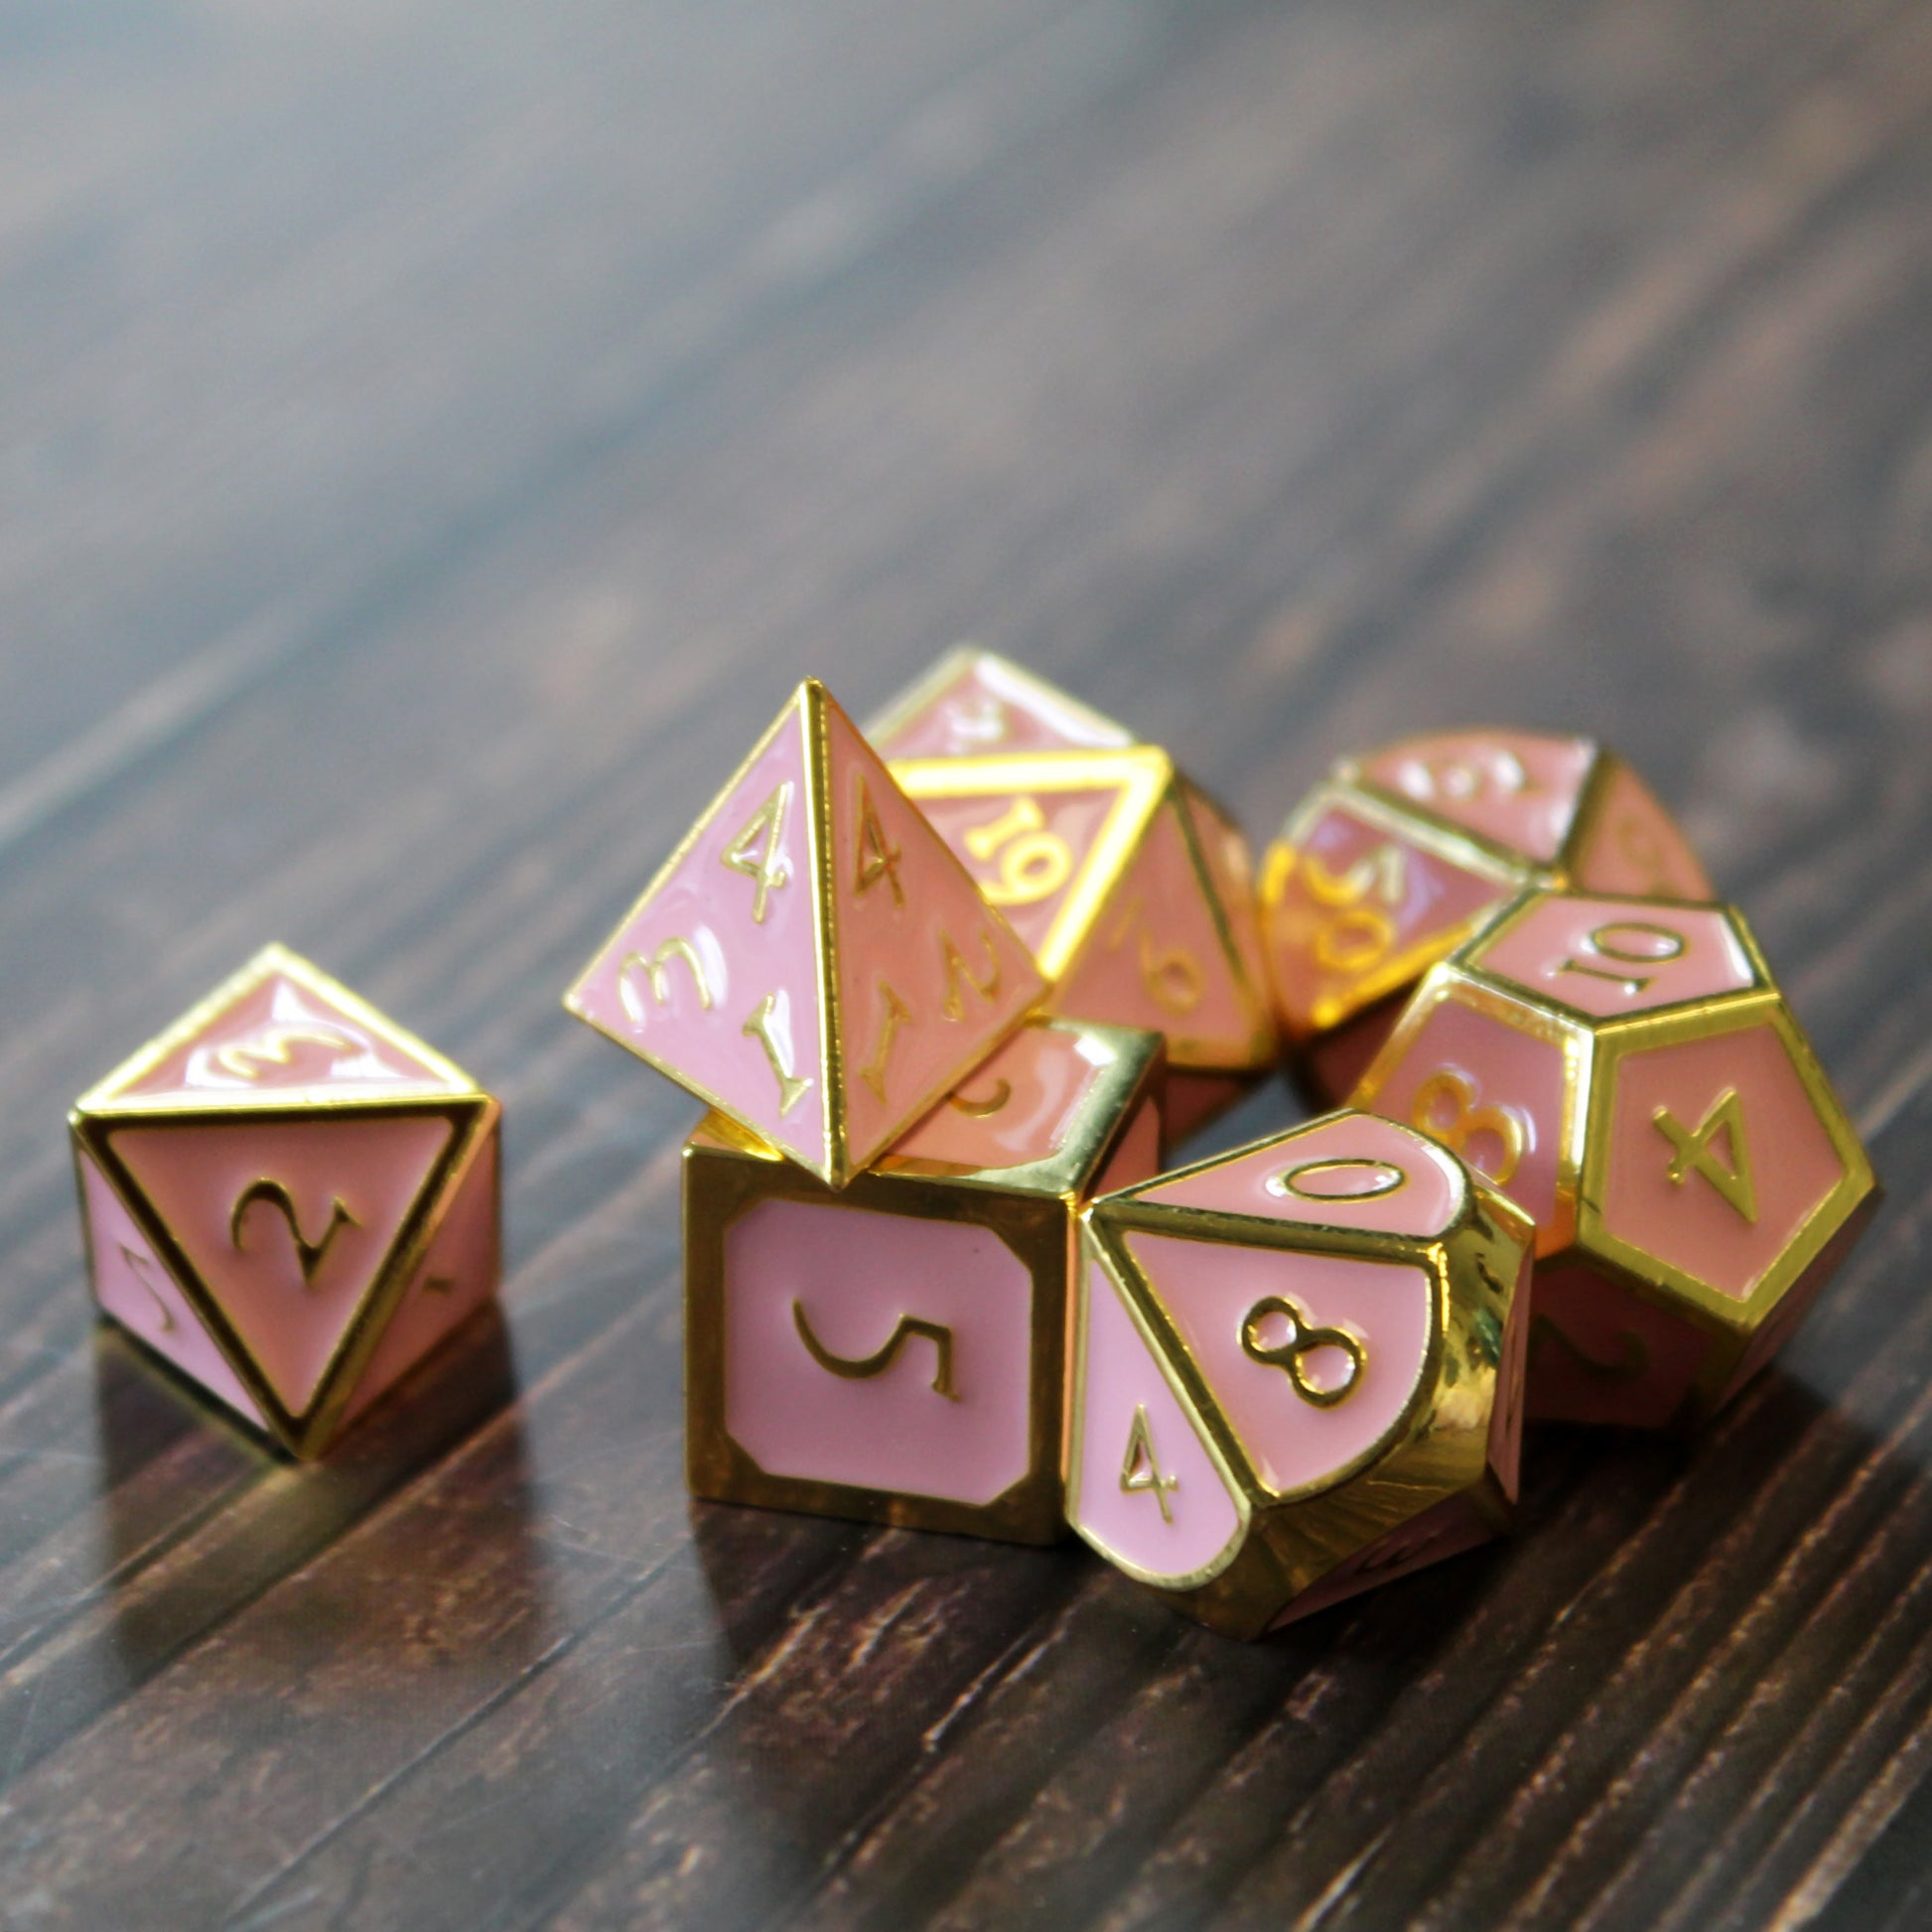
(434,439)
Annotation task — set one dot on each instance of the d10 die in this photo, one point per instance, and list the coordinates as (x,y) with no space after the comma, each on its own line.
(975,702)
(1297,1371)
(812,961)
(1134,892)
(289,1198)
(1399,857)
(897,1351)
(1628,1072)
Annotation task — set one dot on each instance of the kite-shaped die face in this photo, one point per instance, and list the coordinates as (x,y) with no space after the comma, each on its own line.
(973,703)
(1297,1371)
(1627,1070)
(895,1351)
(1131,888)
(289,1198)
(1400,857)
(812,961)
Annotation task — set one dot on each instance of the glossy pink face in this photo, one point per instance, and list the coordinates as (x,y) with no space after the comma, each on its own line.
(987,707)
(1717,1157)
(1353,913)
(1517,788)
(877,1350)
(1313,1358)
(1599,1354)
(1349,1170)
(1146,1492)
(1631,845)
(1609,958)
(1016,1109)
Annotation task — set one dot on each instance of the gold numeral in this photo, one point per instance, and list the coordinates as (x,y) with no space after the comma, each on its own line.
(1631,1365)
(1172,975)
(1657,945)
(983,724)
(759,1027)
(873,1073)
(248,1058)
(1693,1150)
(1290,1354)
(1331,1180)
(656,973)
(1140,1472)
(1467,1119)
(138,1266)
(863,1367)
(959,975)
(878,857)
(1034,862)
(1491,766)
(764,862)
(1359,934)
(310,1255)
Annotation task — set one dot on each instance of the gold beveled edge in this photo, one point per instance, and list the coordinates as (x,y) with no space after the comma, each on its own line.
(723,1181)
(105,1095)
(934,682)
(1091,1256)
(305,1432)
(1659,1281)
(1139,774)
(816,759)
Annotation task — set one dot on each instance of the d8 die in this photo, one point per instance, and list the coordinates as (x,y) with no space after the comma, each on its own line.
(289,1198)
(1628,1072)
(1400,856)
(975,702)
(1297,1371)
(897,1351)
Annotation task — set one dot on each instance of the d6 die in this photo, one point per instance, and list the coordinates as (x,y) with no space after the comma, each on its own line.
(1400,856)
(897,1351)
(1628,1072)
(289,1198)
(1297,1371)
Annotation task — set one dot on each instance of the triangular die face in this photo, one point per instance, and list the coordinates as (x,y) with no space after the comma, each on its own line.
(1518,789)
(929,979)
(286,1231)
(974,703)
(280,1033)
(1157,957)
(1229,866)
(714,975)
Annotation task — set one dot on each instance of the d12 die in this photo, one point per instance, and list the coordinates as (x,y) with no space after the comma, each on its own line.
(1628,1072)
(812,960)
(1399,857)
(897,1351)
(1297,1371)
(289,1198)
(975,702)
(1135,894)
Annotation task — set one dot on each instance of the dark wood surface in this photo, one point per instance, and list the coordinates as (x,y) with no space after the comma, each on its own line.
(434,437)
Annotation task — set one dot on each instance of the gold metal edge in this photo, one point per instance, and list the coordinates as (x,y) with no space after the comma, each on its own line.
(1261,1047)
(822,858)
(935,682)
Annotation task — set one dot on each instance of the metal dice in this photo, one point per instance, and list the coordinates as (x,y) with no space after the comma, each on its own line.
(1398,857)
(1627,1069)
(897,1350)
(289,1198)
(812,960)
(1131,887)
(1297,1371)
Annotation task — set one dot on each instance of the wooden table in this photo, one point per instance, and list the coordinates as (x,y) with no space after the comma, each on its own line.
(433,439)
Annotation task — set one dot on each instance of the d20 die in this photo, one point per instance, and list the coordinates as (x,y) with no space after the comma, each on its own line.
(812,960)
(1297,1371)
(1134,892)
(974,702)
(897,1351)
(289,1198)
(1401,856)
(1628,1072)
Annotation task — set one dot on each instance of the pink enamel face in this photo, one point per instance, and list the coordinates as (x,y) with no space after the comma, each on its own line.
(1489,1091)
(714,976)
(1137,1153)
(1347,1171)
(1609,958)
(986,708)
(1016,1109)
(1313,1358)
(1356,911)
(1631,845)
(288,1225)
(279,1039)
(132,1285)
(1147,1493)
(1518,789)
(1601,1354)
(877,1350)
(1717,1157)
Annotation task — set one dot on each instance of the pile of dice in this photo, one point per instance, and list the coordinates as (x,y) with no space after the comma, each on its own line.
(951,988)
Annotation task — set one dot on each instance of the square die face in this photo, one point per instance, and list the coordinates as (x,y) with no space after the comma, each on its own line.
(879,1351)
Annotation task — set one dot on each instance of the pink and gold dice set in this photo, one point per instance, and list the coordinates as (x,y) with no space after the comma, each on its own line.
(950,987)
